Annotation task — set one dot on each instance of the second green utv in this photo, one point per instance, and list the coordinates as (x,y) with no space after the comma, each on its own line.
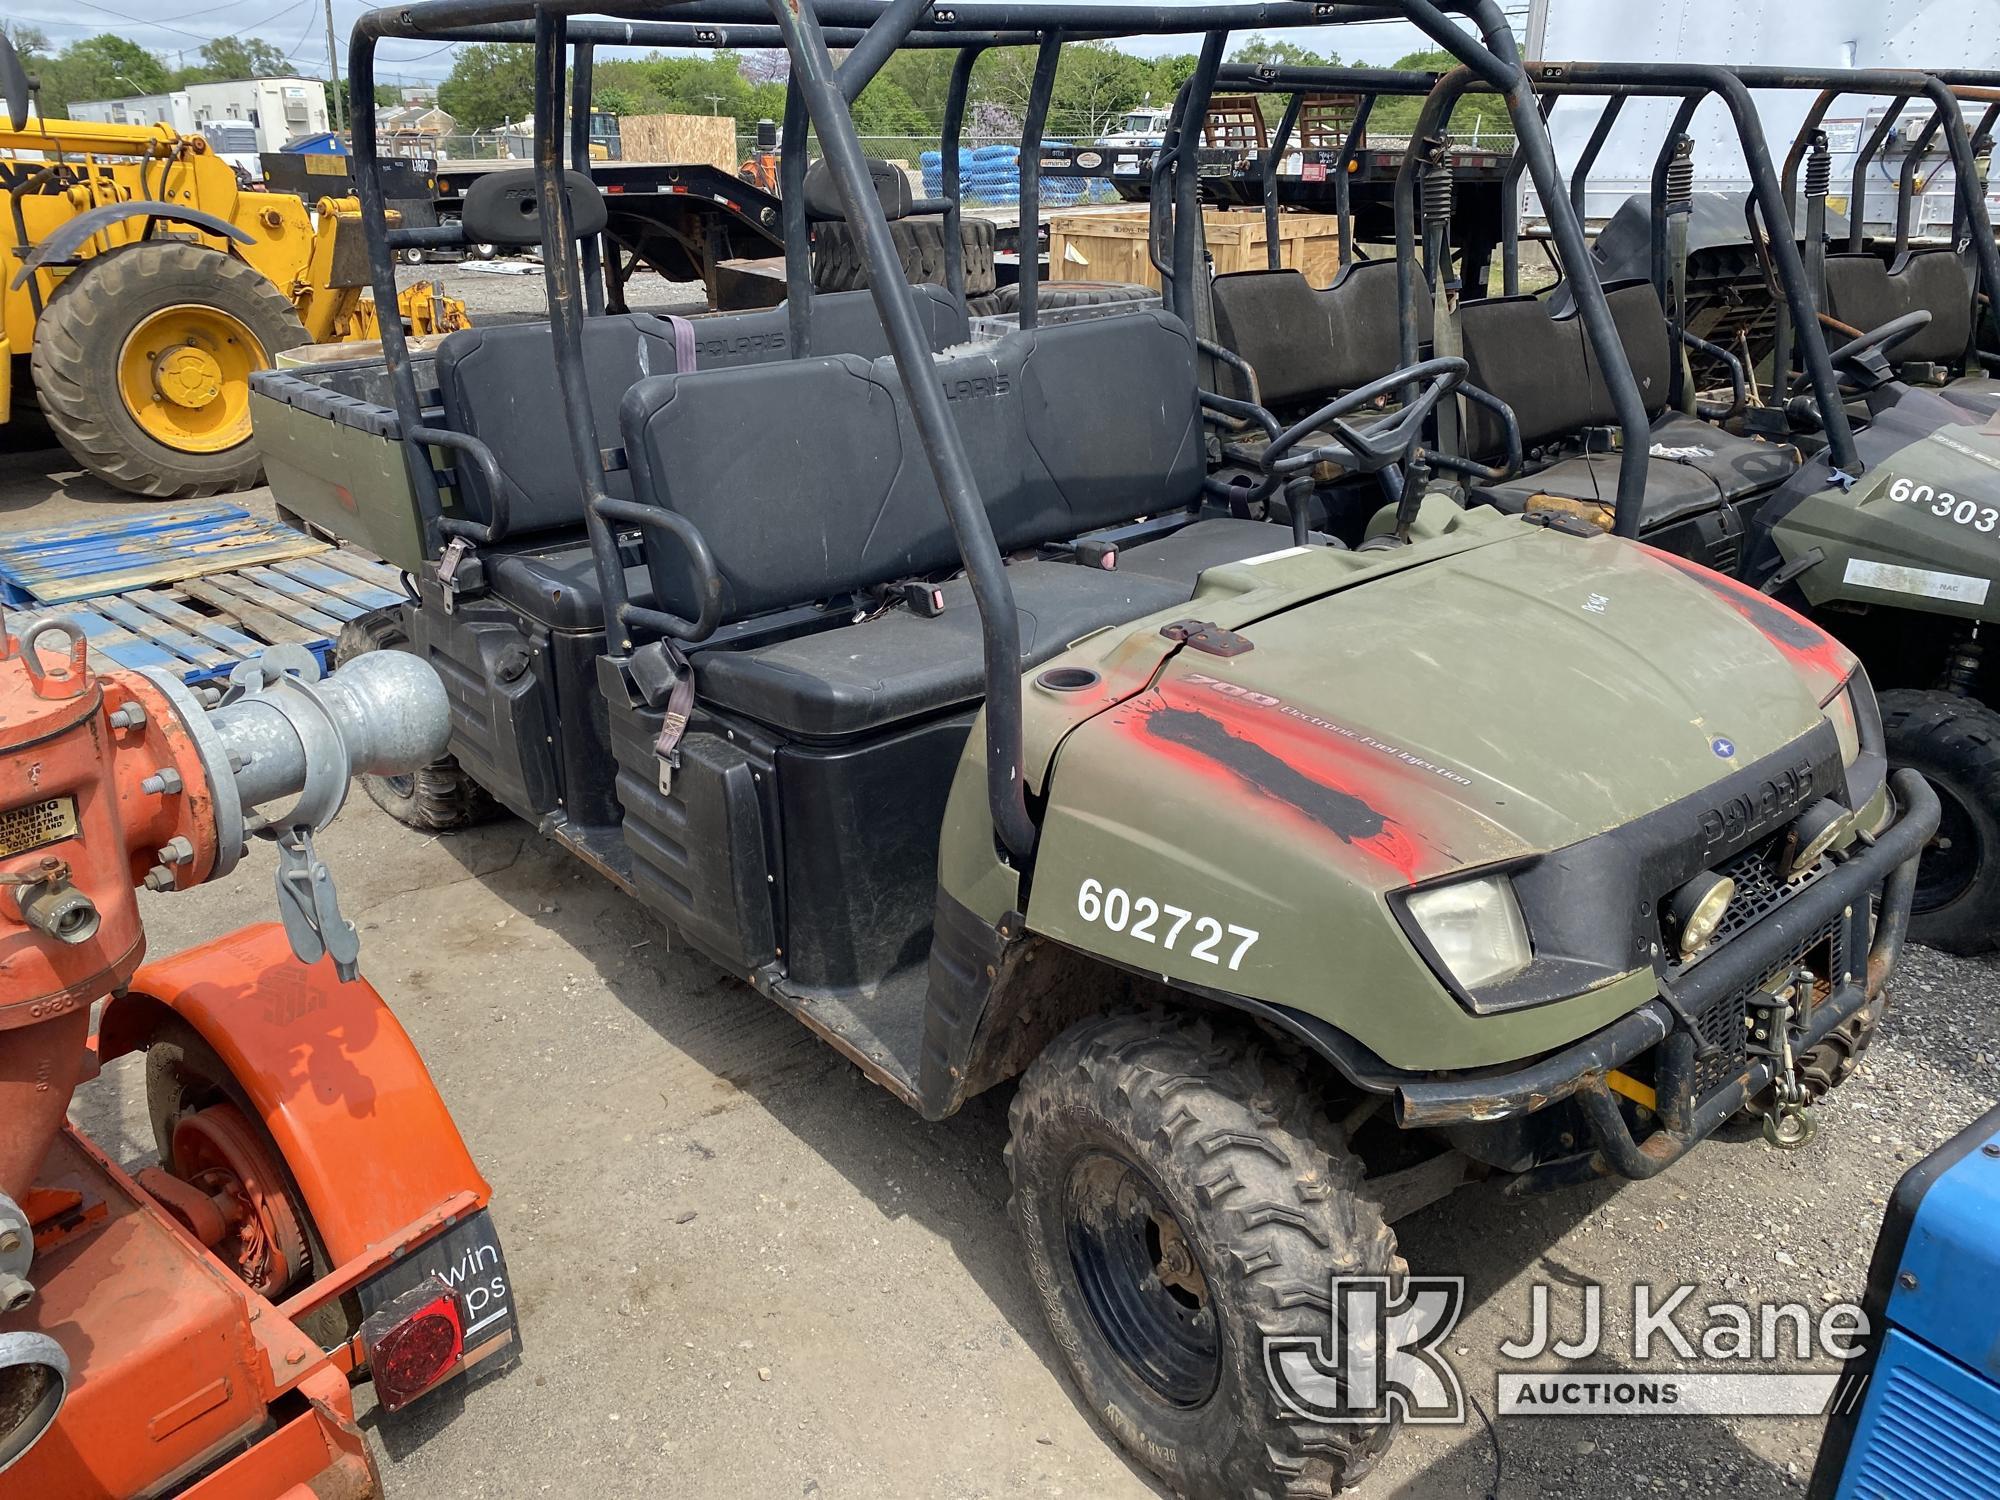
(920,684)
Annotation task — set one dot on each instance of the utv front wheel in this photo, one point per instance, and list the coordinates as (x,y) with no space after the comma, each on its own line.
(1955,743)
(1183,1199)
(436,798)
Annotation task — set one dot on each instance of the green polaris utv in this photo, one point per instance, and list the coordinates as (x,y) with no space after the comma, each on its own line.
(1861,488)
(931,687)
(1817,423)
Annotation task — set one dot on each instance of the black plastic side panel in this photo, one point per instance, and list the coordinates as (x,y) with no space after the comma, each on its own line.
(861,845)
(589,792)
(699,854)
(503,702)
(1713,538)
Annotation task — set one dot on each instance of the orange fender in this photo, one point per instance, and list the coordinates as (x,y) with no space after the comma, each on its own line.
(329,1069)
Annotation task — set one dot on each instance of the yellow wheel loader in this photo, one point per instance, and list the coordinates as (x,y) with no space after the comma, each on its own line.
(141,283)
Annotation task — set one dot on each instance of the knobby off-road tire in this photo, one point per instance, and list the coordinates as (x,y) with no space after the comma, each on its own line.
(1150,1119)
(1955,743)
(839,264)
(439,797)
(1053,294)
(82,362)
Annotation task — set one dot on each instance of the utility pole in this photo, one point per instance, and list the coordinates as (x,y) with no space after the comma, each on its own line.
(333,73)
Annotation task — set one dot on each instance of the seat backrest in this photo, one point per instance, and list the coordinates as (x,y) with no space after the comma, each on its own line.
(1864,293)
(499,384)
(1308,346)
(1067,429)
(1641,322)
(1543,368)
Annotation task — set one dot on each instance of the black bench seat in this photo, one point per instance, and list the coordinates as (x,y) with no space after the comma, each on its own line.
(855,678)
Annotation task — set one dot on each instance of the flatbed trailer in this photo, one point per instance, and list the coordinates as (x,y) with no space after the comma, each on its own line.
(688,221)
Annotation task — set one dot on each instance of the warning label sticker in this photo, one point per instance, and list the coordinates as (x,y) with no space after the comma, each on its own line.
(37,825)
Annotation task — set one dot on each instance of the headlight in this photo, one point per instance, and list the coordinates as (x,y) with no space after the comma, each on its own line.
(1839,711)
(1475,928)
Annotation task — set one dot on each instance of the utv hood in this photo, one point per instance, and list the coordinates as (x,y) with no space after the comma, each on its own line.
(1503,701)
(1597,720)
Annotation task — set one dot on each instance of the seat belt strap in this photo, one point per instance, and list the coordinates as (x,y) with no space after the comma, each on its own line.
(684,345)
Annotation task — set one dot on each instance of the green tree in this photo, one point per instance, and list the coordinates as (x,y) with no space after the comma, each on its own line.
(1480,111)
(387,96)
(97,67)
(490,83)
(885,108)
(229,58)
(1258,48)
(1095,83)
(612,99)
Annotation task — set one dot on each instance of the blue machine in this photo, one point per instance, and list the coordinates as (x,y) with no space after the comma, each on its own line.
(1917,1415)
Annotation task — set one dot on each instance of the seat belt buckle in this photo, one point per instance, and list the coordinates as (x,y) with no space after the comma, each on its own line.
(667,749)
(920,598)
(1097,554)
(454,556)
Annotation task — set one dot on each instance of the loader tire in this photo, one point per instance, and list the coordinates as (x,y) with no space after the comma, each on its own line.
(142,364)
(1184,1199)
(1955,743)
(840,265)
(439,797)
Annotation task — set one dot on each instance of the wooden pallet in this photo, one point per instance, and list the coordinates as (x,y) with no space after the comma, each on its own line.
(147,550)
(200,627)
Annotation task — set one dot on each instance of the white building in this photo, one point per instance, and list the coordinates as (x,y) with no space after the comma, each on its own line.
(277,108)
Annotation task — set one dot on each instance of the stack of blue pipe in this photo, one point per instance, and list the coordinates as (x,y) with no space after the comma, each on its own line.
(990,177)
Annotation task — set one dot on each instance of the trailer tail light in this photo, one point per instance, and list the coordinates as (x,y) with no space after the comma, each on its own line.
(413,1343)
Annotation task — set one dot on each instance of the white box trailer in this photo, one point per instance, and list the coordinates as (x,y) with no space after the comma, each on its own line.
(1919,34)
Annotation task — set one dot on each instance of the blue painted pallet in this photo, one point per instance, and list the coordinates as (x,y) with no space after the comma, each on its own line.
(201,627)
(154,548)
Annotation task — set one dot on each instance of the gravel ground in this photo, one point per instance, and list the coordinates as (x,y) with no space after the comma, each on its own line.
(745,1271)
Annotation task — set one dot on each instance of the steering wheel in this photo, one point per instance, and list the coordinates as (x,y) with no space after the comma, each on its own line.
(1880,340)
(1373,447)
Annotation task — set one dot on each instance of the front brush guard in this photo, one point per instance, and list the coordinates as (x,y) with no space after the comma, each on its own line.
(1581,1070)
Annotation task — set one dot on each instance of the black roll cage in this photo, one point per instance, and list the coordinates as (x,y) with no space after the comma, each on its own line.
(818,95)
(1774,195)
(1368,84)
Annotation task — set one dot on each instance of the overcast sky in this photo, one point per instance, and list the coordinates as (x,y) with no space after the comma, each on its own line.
(298,29)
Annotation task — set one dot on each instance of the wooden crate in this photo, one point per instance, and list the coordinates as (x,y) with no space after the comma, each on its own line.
(1109,244)
(679,138)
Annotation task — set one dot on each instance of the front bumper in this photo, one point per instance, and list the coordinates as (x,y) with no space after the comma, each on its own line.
(1888,865)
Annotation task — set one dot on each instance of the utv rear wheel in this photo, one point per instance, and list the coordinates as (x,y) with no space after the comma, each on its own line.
(142,362)
(1182,1199)
(1955,743)
(436,798)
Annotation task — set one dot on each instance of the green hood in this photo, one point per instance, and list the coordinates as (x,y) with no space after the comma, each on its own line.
(1495,693)
(1514,698)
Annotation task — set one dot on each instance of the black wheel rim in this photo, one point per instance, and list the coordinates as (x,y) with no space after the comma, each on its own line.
(1141,1281)
(1951,861)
